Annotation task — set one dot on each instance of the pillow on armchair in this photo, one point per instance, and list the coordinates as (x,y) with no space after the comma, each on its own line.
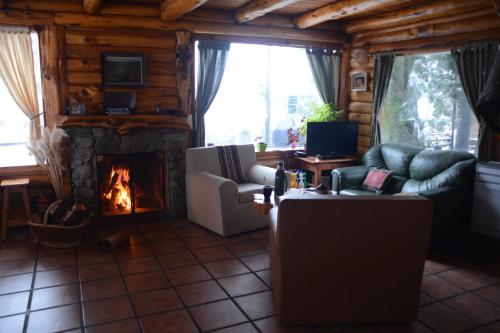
(376,180)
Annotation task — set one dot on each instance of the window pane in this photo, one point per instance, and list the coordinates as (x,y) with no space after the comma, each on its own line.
(14,125)
(264,91)
(426,106)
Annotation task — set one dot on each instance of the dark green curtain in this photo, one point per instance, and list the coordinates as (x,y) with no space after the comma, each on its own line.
(212,62)
(474,63)
(381,79)
(489,101)
(325,67)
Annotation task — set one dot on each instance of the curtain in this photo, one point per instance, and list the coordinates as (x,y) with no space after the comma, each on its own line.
(325,67)
(488,106)
(382,77)
(212,62)
(474,63)
(17,70)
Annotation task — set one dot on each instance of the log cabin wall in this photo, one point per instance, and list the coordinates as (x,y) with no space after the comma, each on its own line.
(82,55)
(360,105)
(427,27)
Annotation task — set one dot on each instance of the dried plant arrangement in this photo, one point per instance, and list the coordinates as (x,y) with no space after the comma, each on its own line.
(49,152)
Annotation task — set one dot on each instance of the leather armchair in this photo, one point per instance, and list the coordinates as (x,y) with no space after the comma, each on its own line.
(218,203)
(446,177)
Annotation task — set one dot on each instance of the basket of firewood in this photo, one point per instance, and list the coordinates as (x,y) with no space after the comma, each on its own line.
(63,224)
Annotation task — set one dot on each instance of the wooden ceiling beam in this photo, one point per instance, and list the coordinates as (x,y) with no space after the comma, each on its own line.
(171,10)
(481,23)
(368,37)
(342,9)
(92,6)
(427,11)
(257,8)
(200,27)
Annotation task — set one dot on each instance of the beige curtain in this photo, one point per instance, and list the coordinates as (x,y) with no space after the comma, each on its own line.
(17,70)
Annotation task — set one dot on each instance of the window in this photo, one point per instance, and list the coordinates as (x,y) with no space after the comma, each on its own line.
(14,125)
(264,91)
(425,105)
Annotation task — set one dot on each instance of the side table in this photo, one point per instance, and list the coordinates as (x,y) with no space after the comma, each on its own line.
(11,186)
(314,165)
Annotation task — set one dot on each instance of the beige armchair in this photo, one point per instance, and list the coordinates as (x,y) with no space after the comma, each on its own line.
(348,260)
(220,204)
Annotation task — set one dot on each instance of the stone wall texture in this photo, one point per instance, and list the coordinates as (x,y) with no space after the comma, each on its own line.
(88,142)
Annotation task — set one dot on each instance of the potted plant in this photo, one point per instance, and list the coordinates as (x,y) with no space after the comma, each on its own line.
(320,113)
(259,144)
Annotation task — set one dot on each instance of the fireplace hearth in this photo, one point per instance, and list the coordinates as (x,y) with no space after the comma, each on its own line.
(130,183)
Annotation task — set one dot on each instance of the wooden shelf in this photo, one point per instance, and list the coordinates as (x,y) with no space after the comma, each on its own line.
(123,124)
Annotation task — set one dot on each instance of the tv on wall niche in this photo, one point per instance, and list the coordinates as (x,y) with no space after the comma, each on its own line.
(123,70)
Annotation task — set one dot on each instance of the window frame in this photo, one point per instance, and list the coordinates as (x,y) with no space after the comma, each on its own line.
(47,45)
(344,68)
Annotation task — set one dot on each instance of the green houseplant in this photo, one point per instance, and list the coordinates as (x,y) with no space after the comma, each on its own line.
(320,113)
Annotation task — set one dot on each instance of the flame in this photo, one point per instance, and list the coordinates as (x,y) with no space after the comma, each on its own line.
(119,192)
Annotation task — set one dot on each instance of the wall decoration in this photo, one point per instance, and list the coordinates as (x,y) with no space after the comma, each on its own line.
(123,70)
(359,81)
(77,109)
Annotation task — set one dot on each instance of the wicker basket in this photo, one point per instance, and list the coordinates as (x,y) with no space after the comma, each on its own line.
(57,235)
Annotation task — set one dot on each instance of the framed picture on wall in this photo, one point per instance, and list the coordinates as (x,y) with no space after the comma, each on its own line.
(123,70)
(359,81)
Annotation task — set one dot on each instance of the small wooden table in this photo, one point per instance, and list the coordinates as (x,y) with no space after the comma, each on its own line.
(262,207)
(11,186)
(314,165)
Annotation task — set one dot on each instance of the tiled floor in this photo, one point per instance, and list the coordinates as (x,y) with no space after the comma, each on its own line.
(176,277)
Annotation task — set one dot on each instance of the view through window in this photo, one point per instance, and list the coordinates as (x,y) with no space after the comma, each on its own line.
(265,90)
(14,124)
(425,105)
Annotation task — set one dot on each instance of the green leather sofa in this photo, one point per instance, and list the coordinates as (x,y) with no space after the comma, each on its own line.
(445,176)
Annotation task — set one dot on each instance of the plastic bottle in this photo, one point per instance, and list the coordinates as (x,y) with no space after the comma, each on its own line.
(300,180)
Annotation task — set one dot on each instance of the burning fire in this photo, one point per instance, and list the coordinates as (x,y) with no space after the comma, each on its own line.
(118,189)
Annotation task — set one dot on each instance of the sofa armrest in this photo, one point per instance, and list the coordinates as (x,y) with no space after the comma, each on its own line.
(437,193)
(259,174)
(212,198)
(348,177)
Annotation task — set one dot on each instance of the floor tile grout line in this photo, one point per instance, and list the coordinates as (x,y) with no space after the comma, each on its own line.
(222,288)
(170,282)
(129,295)
(231,297)
(30,298)
(80,291)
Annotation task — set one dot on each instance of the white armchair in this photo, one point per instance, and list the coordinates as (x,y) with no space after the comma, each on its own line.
(218,203)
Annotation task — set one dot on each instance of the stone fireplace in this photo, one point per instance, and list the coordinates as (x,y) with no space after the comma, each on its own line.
(135,158)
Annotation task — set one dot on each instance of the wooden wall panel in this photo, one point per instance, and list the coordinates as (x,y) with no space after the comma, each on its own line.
(83,67)
(360,106)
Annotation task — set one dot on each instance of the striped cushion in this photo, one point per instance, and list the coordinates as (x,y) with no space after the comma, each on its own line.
(229,163)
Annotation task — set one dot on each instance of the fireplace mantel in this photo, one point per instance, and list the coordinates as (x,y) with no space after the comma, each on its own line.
(123,124)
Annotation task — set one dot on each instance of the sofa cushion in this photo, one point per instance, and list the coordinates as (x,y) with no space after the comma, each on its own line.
(376,180)
(247,190)
(429,163)
(391,156)
(398,157)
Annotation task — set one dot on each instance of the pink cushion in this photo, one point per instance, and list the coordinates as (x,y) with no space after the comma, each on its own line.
(376,179)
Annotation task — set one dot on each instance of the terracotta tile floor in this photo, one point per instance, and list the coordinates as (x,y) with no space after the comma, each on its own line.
(177,277)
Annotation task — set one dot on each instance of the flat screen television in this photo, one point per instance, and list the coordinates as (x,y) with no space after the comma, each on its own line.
(332,139)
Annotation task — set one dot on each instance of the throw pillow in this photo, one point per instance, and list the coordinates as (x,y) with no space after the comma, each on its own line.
(229,163)
(376,180)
